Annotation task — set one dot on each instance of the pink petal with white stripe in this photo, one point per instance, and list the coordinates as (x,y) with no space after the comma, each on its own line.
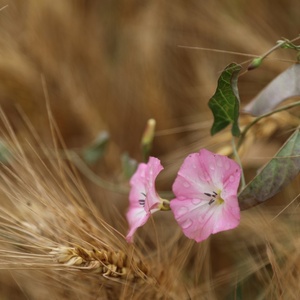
(206,195)
(143,199)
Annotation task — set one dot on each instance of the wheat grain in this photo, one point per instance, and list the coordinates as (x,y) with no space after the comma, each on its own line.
(108,263)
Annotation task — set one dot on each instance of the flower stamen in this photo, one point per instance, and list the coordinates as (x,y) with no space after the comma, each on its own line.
(211,201)
(142,201)
(213,197)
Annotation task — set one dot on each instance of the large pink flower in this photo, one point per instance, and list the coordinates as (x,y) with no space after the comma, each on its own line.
(206,195)
(143,197)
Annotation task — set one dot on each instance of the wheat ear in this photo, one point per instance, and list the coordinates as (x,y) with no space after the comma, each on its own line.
(112,264)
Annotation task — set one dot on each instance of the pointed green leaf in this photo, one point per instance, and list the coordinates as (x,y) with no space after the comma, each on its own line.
(5,154)
(225,102)
(275,175)
(285,85)
(97,149)
(129,165)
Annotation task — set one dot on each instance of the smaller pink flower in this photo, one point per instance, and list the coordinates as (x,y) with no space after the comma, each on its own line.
(206,195)
(143,197)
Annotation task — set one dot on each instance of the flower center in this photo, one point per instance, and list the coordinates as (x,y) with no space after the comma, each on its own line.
(214,197)
(142,201)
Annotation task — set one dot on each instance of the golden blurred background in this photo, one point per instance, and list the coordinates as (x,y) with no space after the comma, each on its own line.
(112,65)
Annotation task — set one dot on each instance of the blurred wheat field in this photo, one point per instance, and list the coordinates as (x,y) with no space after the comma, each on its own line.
(71,69)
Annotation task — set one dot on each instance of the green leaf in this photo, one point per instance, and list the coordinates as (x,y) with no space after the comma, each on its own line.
(285,85)
(129,165)
(286,44)
(275,175)
(225,102)
(96,150)
(5,154)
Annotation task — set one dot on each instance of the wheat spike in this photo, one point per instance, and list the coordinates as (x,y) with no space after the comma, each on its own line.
(108,263)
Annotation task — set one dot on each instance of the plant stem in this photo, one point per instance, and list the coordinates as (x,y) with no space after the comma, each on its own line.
(234,149)
(246,129)
(279,45)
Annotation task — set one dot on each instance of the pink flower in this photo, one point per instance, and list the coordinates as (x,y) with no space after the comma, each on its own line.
(143,197)
(206,195)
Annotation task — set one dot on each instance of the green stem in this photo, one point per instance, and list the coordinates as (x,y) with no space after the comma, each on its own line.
(273,49)
(279,45)
(256,62)
(246,129)
(239,162)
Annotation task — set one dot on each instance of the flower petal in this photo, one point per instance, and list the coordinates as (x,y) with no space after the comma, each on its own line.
(136,218)
(206,195)
(198,222)
(206,169)
(143,199)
